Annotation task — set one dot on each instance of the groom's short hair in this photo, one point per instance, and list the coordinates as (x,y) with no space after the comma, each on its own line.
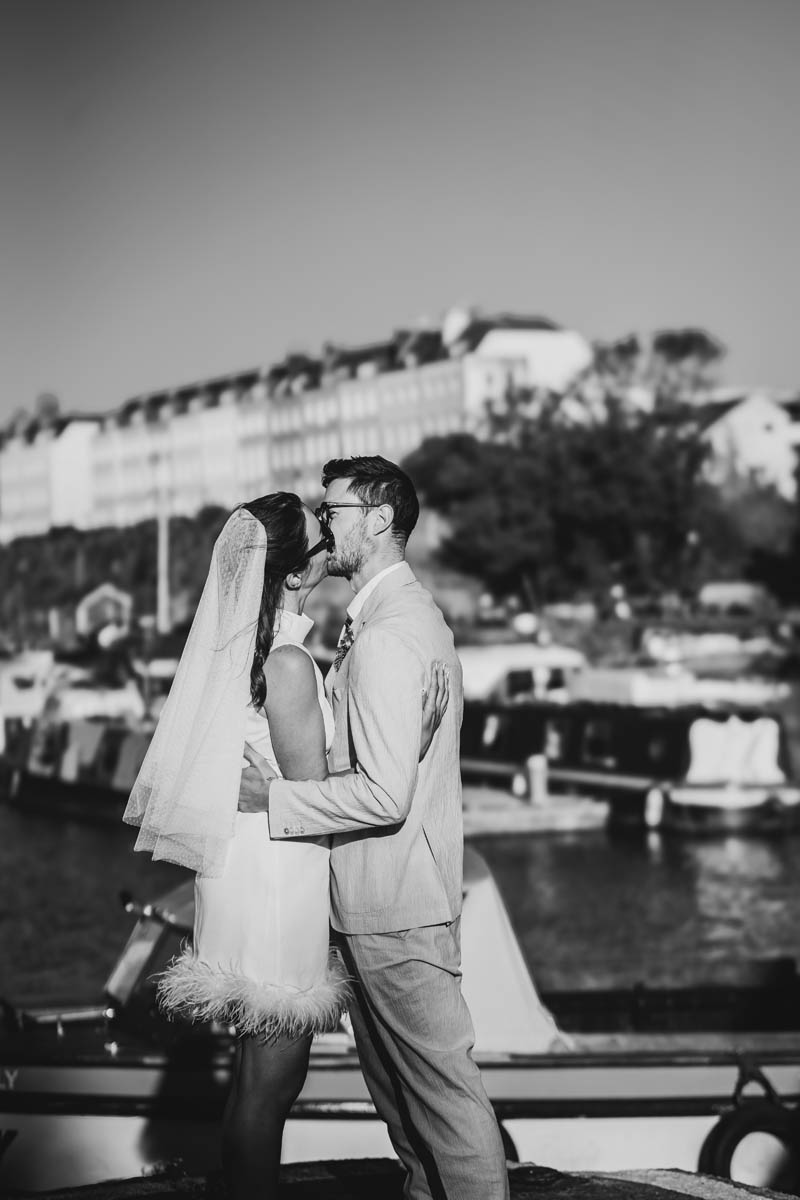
(375,480)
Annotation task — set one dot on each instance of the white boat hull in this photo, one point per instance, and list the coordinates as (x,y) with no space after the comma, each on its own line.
(595,1110)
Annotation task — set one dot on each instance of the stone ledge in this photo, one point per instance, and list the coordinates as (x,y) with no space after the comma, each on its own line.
(364,1179)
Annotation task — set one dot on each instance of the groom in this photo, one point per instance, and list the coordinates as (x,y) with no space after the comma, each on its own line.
(397,853)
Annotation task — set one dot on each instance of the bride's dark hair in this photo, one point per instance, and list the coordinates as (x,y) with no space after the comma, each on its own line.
(281,514)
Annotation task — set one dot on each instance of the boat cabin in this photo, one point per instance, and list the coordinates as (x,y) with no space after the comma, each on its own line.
(518,671)
(684,765)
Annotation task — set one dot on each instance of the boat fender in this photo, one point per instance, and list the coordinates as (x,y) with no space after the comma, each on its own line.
(654,808)
(519,785)
(750,1114)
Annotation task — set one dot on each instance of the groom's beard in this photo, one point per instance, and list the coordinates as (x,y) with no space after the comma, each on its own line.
(349,557)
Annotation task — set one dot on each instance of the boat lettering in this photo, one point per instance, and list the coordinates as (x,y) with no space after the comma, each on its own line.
(6,1138)
(8,1079)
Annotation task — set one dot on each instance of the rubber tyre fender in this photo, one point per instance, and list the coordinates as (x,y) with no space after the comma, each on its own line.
(752,1116)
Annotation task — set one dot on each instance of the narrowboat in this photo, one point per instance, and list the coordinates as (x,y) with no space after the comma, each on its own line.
(704,1077)
(663,756)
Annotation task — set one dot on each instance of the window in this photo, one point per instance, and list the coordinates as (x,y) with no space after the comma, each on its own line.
(598,743)
(554,741)
(519,683)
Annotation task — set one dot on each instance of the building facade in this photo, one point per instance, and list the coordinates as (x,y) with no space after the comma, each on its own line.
(754,437)
(204,444)
(372,412)
(225,440)
(46,476)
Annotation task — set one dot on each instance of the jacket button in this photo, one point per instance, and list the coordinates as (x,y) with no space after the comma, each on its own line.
(286,829)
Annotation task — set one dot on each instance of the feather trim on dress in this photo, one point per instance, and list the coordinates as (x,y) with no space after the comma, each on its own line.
(199,992)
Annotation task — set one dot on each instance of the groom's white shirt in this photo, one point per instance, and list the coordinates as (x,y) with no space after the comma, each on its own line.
(397,850)
(357,603)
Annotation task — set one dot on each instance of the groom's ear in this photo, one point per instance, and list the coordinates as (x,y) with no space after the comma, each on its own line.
(293,581)
(385,515)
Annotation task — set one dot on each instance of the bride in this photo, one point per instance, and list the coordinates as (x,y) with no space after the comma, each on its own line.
(259,957)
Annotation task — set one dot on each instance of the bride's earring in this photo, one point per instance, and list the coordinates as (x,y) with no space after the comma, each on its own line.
(293,582)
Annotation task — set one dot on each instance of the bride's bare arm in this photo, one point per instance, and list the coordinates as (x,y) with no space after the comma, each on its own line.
(297,729)
(294,714)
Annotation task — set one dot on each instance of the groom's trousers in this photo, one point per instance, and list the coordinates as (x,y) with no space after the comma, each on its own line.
(414,1037)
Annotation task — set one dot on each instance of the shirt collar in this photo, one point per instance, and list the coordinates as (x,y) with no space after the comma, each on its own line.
(357,603)
(295,627)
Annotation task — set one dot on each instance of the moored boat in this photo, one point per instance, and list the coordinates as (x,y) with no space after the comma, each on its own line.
(664,752)
(634,1077)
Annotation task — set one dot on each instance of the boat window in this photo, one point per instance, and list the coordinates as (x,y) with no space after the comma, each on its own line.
(656,749)
(520,683)
(47,748)
(557,679)
(598,742)
(555,736)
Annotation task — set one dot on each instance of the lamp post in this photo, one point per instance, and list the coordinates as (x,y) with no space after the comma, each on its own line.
(691,554)
(160,468)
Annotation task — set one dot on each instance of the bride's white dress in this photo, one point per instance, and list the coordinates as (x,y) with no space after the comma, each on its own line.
(260,957)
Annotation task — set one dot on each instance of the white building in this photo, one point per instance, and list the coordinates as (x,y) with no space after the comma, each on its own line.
(45,475)
(752,436)
(551,359)
(377,412)
(386,398)
(204,444)
(225,440)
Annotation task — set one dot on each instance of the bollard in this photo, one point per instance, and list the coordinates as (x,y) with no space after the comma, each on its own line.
(537,778)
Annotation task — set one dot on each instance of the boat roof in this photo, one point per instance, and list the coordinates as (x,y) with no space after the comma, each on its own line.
(670,689)
(484,666)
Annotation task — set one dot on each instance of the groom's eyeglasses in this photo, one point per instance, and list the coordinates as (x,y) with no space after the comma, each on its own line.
(323,513)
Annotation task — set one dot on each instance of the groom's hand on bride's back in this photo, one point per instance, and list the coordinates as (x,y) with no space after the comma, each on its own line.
(254,784)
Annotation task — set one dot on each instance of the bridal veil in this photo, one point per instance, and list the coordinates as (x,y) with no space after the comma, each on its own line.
(186,794)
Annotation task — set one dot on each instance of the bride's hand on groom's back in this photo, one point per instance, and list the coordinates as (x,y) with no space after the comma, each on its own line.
(254,785)
(435,697)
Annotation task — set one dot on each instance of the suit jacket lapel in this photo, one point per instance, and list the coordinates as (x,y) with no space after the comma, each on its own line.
(395,580)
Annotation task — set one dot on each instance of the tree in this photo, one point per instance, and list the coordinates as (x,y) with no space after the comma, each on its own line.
(561,508)
(62,566)
(573,492)
(681,365)
(768,527)
(675,368)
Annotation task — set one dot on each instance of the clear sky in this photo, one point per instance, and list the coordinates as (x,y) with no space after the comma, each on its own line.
(192,187)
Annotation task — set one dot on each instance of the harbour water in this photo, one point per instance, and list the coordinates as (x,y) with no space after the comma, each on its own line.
(590,910)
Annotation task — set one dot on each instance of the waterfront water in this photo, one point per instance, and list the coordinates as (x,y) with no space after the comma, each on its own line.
(589,909)
(592,910)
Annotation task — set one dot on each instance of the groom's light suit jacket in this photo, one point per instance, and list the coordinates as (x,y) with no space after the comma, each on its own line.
(397,850)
